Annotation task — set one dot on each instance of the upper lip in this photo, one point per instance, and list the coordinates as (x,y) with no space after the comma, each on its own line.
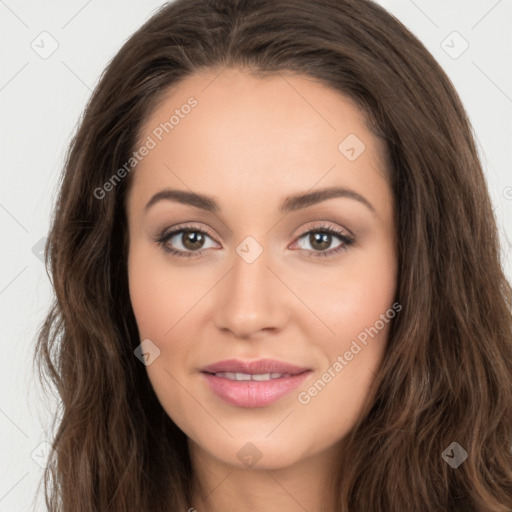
(261,366)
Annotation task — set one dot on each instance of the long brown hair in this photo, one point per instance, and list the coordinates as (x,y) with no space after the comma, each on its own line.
(447,372)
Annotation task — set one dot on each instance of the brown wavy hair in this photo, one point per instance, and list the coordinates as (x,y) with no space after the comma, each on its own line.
(447,371)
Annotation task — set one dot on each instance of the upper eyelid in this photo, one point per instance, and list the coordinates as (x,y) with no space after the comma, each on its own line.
(175,231)
(346,240)
(320,226)
(170,233)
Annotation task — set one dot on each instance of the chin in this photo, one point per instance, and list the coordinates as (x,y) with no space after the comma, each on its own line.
(255,453)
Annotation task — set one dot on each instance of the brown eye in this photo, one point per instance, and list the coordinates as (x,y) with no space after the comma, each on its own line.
(184,241)
(192,240)
(321,239)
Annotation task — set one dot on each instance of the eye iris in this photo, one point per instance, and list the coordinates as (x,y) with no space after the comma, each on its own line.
(323,239)
(194,238)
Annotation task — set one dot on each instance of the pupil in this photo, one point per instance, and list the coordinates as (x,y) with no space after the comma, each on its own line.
(324,240)
(194,239)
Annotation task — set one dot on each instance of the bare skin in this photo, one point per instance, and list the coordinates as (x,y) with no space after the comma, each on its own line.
(248,144)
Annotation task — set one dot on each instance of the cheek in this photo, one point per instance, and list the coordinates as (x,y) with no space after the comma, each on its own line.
(358,308)
(161,300)
(351,297)
(166,301)
(160,295)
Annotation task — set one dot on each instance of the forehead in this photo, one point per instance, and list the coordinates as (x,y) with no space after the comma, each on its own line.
(256,136)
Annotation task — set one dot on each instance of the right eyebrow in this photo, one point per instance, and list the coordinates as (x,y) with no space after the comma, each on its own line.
(184,197)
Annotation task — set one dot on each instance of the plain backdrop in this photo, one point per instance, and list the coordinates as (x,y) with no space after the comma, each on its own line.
(52,55)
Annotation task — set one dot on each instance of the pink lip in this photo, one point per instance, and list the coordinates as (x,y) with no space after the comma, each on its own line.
(253,367)
(249,393)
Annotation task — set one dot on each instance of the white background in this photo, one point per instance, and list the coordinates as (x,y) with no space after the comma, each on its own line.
(41,101)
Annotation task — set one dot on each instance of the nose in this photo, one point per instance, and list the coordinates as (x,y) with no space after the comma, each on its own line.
(251,299)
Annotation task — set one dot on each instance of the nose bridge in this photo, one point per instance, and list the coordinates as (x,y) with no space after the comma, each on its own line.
(249,299)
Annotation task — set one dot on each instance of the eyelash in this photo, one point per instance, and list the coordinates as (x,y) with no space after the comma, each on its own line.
(164,237)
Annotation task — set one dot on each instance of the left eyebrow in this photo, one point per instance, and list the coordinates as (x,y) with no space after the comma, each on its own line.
(290,203)
(297,202)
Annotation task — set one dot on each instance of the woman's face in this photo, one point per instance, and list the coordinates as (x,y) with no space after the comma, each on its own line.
(270,265)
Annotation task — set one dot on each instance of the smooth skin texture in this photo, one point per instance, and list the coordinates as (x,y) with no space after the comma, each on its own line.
(248,144)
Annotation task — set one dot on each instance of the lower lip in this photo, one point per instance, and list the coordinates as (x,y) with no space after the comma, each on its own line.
(251,393)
